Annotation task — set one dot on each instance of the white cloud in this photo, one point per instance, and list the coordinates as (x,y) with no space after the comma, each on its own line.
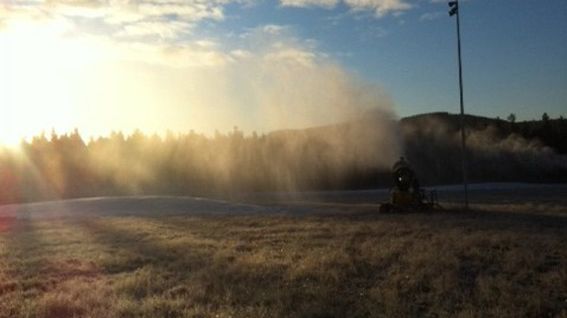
(269,81)
(190,54)
(161,18)
(139,69)
(277,43)
(379,7)
(162,29)
(291,56)
(241,54)
(309,3)
(274,29)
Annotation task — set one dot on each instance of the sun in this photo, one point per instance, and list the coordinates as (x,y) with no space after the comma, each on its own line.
(39,68)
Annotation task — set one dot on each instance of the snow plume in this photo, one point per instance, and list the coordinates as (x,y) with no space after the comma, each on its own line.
(271,82)
(433,144)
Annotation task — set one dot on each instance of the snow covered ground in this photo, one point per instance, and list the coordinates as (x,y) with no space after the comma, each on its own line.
(508,195)
(479,192)
(129,206)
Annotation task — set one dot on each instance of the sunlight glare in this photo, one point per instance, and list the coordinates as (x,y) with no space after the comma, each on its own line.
(38,68)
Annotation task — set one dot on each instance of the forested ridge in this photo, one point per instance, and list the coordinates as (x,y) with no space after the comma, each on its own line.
(351,155)
(498,150)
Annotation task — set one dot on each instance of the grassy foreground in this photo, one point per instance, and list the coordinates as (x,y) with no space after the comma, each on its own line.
(442,264)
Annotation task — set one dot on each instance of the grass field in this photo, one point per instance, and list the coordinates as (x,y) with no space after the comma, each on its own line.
(355,264)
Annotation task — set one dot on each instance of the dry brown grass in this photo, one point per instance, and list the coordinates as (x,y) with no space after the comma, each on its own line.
(357,265)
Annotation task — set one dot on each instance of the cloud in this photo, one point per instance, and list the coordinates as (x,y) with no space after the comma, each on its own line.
(268,80)
(274,29)
(290,55)
(287,82)
(137,68)
(132,18)
(379,7)
(279,44)
(309,3)
(161,29)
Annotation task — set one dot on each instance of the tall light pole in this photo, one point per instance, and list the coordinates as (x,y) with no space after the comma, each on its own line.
(454,10)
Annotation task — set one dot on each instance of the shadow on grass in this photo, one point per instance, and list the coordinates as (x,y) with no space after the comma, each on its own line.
(334,285)
(25,270)
(219,278)
(33,270)
(136,248)
(26,256)
(475,219)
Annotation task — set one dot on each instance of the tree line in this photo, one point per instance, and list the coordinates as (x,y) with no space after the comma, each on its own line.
(497,150)
(352,155)
(65,166)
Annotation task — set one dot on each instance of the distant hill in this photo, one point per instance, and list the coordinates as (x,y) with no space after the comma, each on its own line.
(498,150)
(550,132)
(533,151)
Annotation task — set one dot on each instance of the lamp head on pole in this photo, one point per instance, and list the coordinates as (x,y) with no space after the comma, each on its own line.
(454,8)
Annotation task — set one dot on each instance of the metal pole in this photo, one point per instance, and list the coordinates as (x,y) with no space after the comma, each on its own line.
(463,134)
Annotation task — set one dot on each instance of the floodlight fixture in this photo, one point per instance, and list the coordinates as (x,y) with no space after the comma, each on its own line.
(454,8)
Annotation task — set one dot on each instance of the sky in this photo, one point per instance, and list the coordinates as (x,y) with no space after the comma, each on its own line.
(264,65)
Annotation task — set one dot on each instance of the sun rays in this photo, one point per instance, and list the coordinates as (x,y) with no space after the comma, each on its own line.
(40,67)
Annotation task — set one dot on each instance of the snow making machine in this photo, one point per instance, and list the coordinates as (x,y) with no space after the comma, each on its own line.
(406,194)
